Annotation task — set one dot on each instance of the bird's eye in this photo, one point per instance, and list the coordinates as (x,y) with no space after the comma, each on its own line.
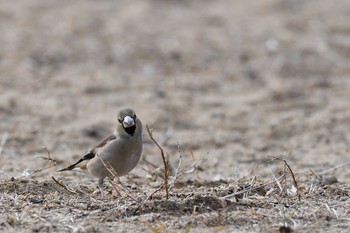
(134,117)
(120,121)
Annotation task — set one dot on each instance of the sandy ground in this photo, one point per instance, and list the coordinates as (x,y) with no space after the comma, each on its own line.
(223,84)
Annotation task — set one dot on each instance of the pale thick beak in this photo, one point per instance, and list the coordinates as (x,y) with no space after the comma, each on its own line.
(128,122)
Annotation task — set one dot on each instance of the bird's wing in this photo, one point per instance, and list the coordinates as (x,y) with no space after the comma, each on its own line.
(102,143)
(90,154)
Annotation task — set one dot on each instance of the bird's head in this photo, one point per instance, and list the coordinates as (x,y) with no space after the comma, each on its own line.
(127,120)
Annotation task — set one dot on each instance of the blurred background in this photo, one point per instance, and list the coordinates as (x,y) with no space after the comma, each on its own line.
(230,81)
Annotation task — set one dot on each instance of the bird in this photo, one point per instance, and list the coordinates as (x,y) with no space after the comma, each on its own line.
(120,151)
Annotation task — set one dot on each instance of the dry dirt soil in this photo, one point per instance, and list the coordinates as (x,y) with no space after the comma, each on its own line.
(249,100)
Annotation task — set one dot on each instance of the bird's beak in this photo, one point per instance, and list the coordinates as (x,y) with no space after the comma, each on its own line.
(128,122)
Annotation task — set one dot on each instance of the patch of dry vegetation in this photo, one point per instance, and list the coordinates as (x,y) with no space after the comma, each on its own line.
(286,202)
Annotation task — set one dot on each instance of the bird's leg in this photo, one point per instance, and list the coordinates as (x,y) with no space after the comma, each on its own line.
(115,188)
(100,184)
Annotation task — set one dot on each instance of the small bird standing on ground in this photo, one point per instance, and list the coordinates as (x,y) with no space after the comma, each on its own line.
(120,150)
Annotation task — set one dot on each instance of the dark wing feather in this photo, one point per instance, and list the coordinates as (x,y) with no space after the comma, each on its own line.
(90,154)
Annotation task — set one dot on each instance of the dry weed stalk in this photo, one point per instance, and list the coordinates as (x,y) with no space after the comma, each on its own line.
(51,163)
(60,183)
(170,174)
(277,181)
(157,190)
(180,162)
(291,172)
(165,162)
(179,172)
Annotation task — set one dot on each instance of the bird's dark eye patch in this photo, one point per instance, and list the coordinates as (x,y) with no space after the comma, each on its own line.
(120,121)
(134,117)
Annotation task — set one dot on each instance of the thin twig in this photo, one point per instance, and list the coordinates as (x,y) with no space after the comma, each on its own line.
(63,185)
(50,164)
(48,155)
(291,172)
(315,174)
(165,162)
(180,159)
(157,190)
(194,167)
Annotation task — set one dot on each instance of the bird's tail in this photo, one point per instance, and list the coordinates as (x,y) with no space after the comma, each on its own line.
(81,164)
(71,167)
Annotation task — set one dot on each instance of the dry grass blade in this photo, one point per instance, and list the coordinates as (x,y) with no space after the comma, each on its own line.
(165,162)
(253,189)
(277,181)
(333,168)
(3,141)
(149,163)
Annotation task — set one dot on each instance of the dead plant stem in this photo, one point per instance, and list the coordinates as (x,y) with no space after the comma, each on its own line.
(165,162)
